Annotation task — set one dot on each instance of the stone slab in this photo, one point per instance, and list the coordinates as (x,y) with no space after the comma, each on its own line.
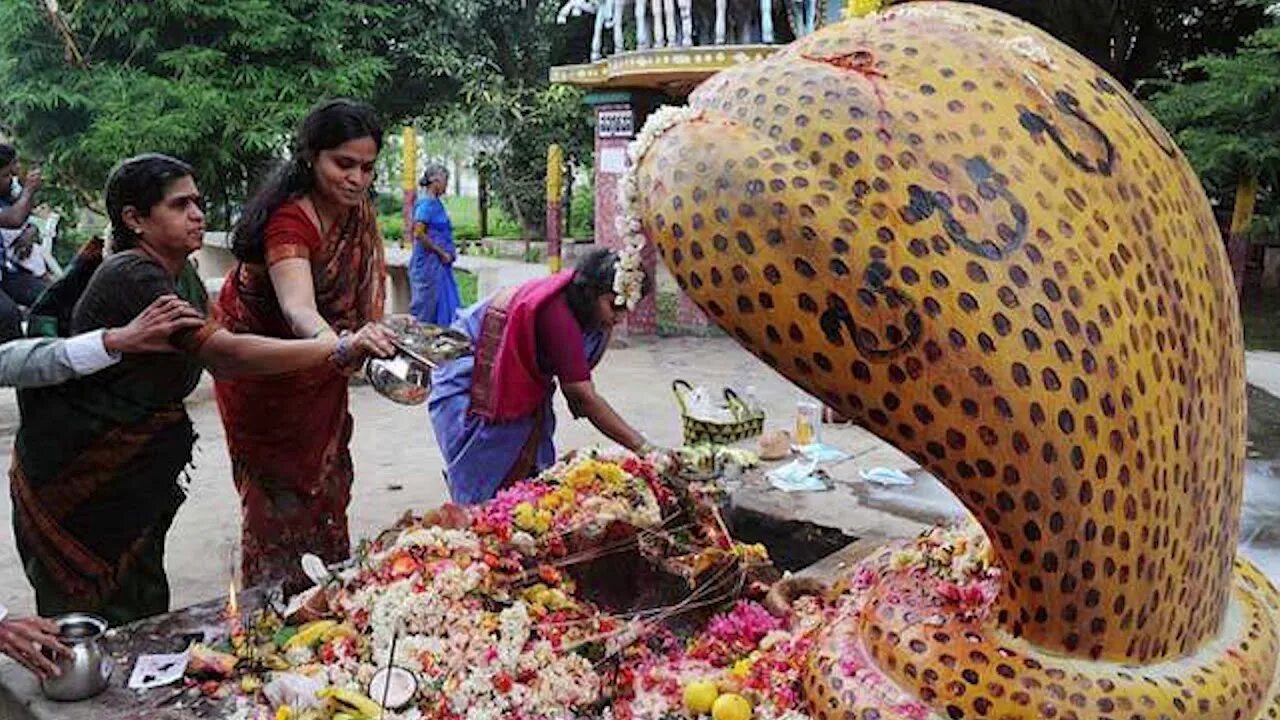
(21,698)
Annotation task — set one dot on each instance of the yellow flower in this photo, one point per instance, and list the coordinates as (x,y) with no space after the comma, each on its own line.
(530,520)
(904,559)
(284,712)
(579,478)
(611,474)
(742,668)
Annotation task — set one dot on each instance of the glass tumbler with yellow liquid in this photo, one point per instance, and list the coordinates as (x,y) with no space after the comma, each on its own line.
(808,421)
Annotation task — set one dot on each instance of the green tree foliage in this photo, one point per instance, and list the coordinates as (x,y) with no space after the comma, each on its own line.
(219,84)
(1137,40)
(1227,120)
(486,64)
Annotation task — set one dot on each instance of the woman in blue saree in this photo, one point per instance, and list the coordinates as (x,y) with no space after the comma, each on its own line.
(435,292)
(492,412)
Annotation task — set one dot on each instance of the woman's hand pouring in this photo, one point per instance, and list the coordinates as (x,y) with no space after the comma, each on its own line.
(372,340)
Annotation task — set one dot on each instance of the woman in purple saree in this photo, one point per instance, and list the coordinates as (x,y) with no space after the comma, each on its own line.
(492,412)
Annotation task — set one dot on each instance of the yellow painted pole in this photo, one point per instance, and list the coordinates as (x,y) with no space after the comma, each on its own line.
(409,182)
(1241,221)
(555,187)
(862,8)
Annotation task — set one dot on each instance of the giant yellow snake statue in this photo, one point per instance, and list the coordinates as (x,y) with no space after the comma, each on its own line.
(960,232)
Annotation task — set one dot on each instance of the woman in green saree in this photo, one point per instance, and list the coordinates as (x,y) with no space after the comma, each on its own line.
(95,476)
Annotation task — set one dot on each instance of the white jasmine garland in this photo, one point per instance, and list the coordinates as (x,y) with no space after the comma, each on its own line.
(524,542)
(628,279)
(768,712)
(930,14)
(435,536)
(299,655)
(1033,50)
(513,633)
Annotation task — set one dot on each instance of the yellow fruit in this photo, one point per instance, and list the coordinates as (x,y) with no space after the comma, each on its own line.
(731,707)
(310,634)
(338,631)
(699,696)
(349,702)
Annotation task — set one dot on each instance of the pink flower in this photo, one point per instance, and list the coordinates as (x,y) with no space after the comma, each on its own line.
(497,512)
(863,579)
(745,624)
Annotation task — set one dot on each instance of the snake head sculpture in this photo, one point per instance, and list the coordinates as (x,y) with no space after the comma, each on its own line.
(958,231)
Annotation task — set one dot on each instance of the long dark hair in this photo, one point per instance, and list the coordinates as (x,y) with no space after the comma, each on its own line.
(327,126)
(593,276)
(140,181)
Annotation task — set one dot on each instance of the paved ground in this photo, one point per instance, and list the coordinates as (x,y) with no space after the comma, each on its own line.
(398,464)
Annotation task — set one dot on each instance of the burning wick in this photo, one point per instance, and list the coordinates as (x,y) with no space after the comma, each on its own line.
(234,626)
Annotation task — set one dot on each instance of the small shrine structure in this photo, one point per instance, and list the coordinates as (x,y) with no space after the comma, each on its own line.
(649,53)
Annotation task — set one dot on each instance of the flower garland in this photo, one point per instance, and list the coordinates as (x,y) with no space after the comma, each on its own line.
(628,279)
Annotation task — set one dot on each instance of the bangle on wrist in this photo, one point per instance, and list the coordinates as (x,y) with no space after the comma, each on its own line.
(342,351)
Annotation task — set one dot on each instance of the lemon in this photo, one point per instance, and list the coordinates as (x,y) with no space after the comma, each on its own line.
(699,696)
(731,707)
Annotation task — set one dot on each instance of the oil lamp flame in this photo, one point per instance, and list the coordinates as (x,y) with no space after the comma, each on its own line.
(233,611)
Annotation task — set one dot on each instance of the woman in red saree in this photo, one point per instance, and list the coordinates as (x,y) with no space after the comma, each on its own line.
(311,265)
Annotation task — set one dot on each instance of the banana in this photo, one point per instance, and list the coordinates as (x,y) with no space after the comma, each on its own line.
(310,634)
(351,703)
(340,630)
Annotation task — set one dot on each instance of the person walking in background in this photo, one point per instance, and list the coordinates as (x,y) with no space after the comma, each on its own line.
(19,286)
(435,292)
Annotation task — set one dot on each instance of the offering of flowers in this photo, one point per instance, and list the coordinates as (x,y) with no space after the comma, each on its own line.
(553,600)
(592,591)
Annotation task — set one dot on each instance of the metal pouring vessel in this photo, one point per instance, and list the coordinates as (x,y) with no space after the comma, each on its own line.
(88,670)
(405,378)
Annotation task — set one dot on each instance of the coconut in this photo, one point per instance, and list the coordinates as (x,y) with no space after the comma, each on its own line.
(308,605)
(393,687)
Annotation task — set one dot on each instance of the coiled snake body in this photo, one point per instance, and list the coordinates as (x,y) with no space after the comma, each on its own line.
(958,231)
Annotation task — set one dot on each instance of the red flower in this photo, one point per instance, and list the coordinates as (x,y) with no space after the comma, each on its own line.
(502,682)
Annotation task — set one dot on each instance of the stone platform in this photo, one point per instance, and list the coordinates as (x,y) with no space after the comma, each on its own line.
(21,699)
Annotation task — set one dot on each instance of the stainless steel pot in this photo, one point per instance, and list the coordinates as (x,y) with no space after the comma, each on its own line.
(400,379)
(88,670)
(420,348)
